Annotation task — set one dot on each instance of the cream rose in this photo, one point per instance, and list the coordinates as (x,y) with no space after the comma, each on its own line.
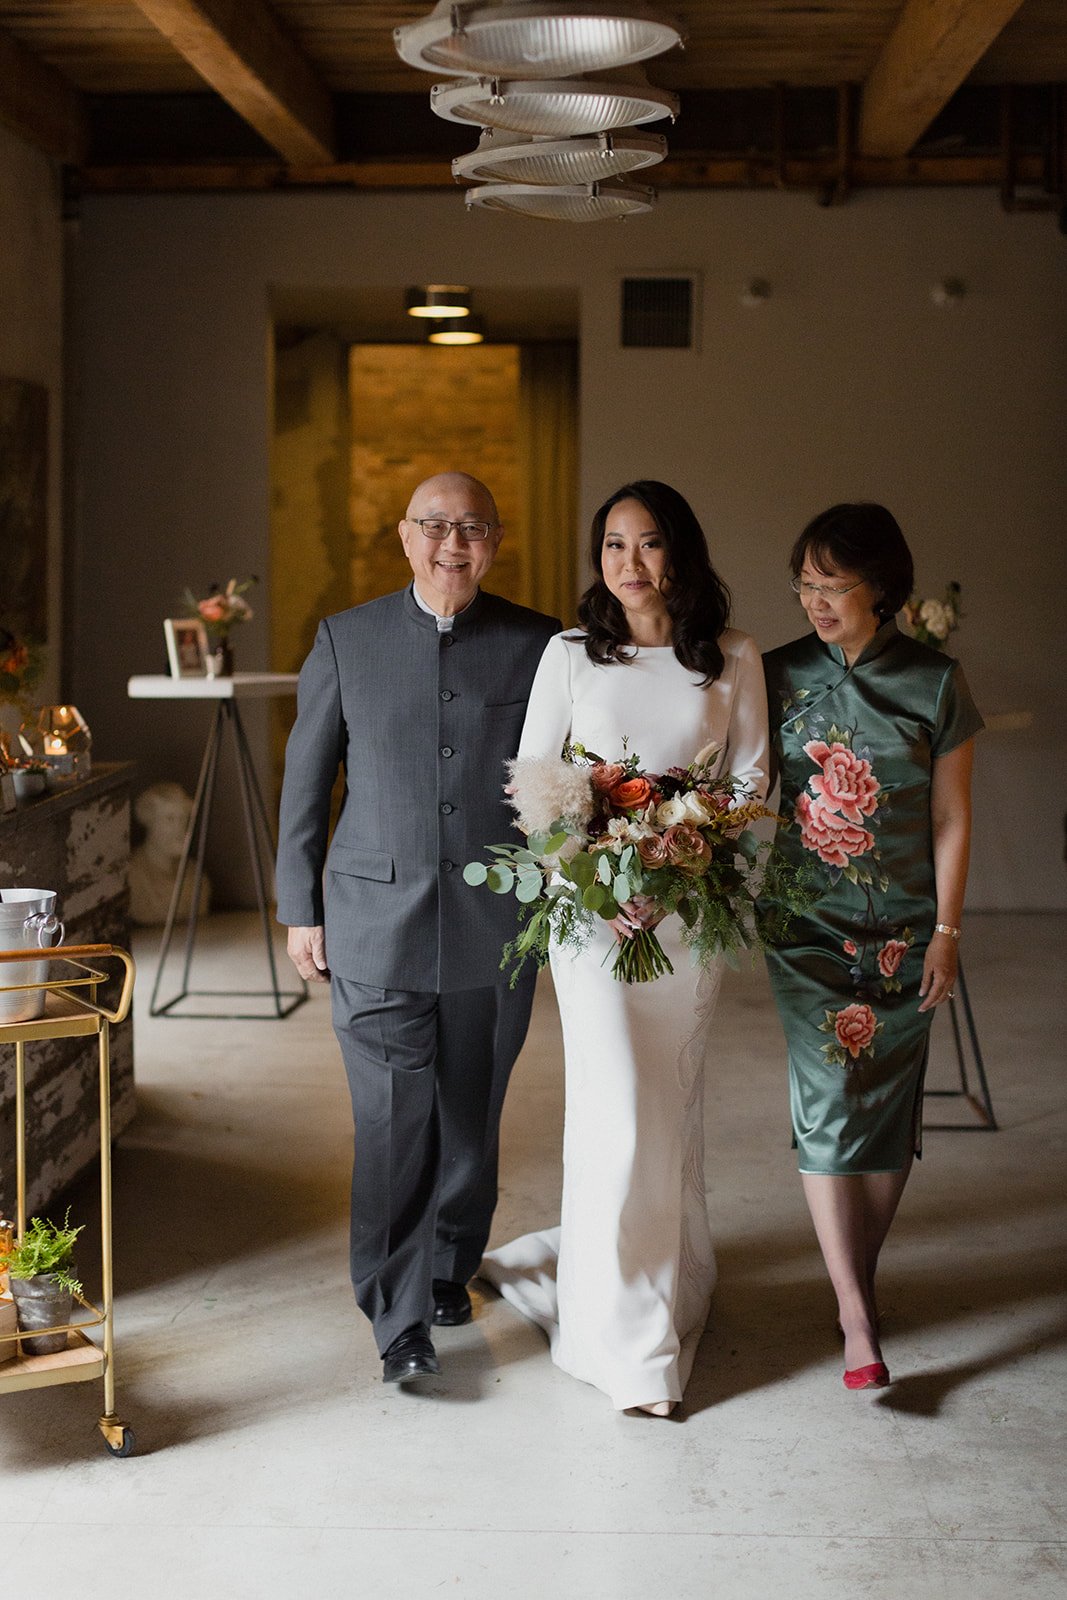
(936,618)
(670,812)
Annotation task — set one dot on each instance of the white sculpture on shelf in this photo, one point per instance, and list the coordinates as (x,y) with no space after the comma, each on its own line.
(163,810)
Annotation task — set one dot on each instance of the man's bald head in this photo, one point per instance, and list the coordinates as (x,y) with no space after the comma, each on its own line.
(424,497)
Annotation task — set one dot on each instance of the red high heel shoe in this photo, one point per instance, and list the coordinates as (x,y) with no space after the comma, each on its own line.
(875,1376)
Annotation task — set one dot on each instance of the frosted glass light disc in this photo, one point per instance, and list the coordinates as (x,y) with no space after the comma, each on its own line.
(535,38)
(557,109)
(589,159)
(591,203)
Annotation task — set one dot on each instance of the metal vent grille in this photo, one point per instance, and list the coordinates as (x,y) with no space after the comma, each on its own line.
(657,313)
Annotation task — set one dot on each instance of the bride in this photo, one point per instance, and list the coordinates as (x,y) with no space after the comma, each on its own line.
(623,1285)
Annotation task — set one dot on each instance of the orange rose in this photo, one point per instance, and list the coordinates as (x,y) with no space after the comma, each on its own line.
(631,795)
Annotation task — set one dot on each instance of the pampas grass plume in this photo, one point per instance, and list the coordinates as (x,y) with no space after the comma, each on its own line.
(547,789)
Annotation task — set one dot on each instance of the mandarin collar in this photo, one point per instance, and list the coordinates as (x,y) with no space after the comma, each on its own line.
(874,647)
(427,619)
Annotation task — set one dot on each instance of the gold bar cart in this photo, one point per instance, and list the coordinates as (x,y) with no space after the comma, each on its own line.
(71,1010)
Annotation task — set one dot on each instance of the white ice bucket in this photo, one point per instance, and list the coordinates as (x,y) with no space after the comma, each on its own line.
(27,921)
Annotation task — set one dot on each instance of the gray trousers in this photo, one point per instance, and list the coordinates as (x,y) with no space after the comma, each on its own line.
(427,1074)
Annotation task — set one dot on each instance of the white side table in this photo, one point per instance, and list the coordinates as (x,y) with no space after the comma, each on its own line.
(227,693)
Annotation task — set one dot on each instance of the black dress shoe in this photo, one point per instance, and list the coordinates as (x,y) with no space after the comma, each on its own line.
(410,1356)
(451,1303)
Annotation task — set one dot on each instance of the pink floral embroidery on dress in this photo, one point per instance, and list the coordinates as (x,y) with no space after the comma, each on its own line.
(854,1030)
(890,956)
(832,837)
(846,783)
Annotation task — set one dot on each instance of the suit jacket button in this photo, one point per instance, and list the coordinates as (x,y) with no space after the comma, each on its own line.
(446,750)
(446,639)
(447,809)
(446,866)
(446,694)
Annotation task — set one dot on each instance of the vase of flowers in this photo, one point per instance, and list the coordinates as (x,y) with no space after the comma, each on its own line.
(219,611)
(931,621)
(21,665)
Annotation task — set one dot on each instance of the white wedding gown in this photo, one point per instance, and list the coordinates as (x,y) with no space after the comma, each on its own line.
(623,1286)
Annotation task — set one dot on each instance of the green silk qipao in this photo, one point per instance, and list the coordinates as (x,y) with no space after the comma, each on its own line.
(855,749)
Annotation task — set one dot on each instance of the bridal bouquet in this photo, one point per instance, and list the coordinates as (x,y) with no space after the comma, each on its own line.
(601,832)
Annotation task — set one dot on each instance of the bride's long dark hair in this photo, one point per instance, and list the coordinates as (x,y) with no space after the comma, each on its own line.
(697,600)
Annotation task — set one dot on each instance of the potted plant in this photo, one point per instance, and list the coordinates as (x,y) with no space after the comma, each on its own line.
(30,778)
(41,1278)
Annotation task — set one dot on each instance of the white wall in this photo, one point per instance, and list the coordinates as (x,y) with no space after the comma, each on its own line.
(847,383)
(31,329)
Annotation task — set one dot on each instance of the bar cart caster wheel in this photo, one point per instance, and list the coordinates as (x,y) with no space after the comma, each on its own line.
(118,1439)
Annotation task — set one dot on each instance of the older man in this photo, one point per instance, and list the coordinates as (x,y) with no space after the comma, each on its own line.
(420,696)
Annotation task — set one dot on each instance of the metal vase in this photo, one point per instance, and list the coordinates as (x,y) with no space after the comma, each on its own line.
(41,1302)
(27,921)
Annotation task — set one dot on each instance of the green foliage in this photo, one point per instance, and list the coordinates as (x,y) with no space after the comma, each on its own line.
(45,1247)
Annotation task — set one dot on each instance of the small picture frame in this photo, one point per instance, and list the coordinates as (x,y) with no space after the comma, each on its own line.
(186,647)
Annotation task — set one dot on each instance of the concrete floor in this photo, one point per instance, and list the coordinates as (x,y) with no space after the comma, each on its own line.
(272,1463)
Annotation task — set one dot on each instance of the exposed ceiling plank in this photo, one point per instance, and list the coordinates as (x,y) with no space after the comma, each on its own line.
(930,52)
(238,48)
(690,171)
(39,105)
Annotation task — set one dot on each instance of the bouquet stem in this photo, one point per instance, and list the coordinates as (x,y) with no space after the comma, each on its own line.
(640,959)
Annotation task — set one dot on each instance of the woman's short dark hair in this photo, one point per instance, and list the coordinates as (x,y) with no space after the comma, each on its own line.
(697,600)
(865,539)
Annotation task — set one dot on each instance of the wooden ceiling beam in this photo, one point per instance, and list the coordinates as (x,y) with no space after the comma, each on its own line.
(689,171)
(931,50)
(238,47)
(39,105)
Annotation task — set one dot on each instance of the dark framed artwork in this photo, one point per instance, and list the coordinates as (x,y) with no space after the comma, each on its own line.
(24,508)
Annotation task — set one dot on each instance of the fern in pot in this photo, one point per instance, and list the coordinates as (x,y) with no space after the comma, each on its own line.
(41,1276)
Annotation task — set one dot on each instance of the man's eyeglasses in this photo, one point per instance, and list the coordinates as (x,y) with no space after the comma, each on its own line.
(801,587)
(439,528)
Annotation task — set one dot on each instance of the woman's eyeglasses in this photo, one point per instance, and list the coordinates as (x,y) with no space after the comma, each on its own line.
(804,589)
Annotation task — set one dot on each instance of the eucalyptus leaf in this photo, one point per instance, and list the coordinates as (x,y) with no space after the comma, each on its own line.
(582,870)
(605,869)
(748,845)
(620,888)
(528,888)
(593,897)
(475,872)
(500,878)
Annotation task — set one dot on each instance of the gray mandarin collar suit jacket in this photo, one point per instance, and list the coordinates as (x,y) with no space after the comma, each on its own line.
(422,722)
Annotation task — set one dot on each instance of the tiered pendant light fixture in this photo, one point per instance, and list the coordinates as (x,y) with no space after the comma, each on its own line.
(590,202)
(534,38)
(507,158)
(559,106)
(521,65)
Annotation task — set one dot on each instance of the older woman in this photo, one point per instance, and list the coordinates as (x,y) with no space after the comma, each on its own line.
(873,734)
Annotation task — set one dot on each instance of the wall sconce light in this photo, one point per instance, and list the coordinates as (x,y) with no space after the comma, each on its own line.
(457,330)
(438,300)
(949,292)
(66,739)
(757,292)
